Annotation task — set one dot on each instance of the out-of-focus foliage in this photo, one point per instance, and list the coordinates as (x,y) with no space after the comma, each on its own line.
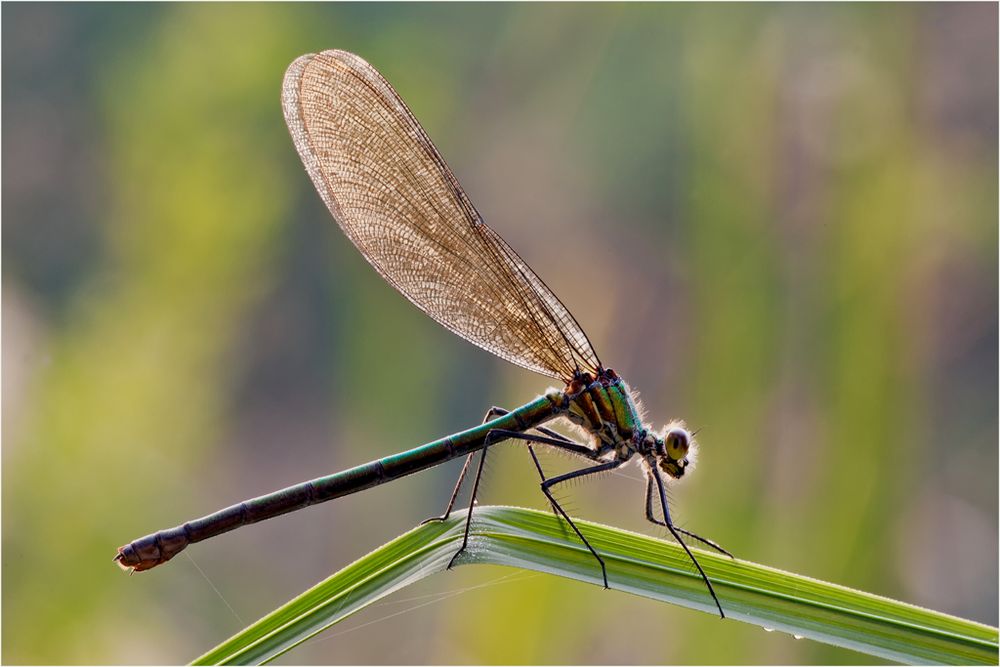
(778,222)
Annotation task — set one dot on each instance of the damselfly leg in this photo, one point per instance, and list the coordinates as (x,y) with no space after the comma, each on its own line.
(668,522)
(652,519)
(491,414)
(549,483)
(566,443)
(499,435)
(494,412)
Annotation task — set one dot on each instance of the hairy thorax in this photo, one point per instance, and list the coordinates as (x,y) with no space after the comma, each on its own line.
(604,407)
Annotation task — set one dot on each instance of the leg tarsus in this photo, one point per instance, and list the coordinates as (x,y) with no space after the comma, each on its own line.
(472,503)
(559,509)
(454,494)
(549,483)
(492,413)
(652,519)
(707,542)
(551,438)
(677,535)
(556,440)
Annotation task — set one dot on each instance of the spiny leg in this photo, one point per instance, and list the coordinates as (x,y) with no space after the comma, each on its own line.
(500,412)
(553,439)
(555,436)
(492,413)
(558,441)
(561,441)
(498,434)
(549,483)
(541,473)
(531,450)
(673,531)
(472,503)
(454,494)
(649,516)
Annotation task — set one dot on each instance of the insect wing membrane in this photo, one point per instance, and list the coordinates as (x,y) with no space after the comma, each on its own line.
(399,203)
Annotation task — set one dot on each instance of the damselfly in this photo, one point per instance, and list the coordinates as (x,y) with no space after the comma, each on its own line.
(393,195)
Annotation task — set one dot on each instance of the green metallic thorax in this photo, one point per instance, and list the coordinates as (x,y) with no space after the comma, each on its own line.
(606,409)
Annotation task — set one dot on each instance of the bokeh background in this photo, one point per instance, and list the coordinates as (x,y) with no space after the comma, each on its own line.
(778,222)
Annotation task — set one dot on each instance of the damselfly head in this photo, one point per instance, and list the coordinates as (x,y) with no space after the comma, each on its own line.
(675,450)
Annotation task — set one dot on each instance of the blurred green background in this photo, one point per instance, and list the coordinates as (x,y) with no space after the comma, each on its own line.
(778,222)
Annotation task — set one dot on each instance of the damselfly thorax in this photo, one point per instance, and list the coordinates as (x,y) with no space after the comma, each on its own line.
(605,408)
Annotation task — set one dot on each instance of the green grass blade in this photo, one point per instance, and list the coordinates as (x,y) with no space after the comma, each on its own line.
(637,564)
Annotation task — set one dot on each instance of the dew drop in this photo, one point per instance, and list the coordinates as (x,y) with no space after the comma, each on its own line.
(797,636)
(768,629)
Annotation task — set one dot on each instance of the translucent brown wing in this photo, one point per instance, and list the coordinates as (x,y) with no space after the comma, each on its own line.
(401,206)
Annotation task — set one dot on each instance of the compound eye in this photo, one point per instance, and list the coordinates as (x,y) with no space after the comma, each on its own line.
(678,443)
